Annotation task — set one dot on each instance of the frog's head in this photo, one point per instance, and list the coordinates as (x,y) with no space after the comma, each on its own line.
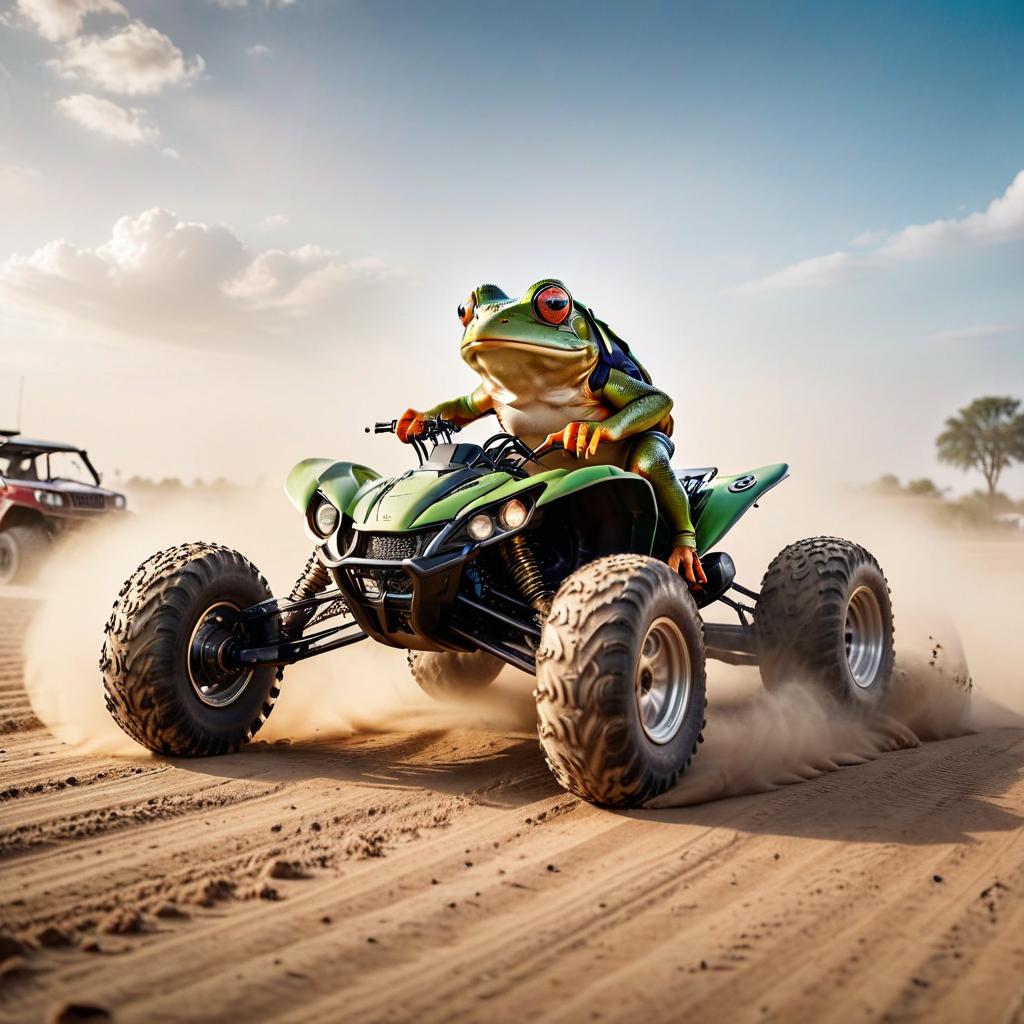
(544,321)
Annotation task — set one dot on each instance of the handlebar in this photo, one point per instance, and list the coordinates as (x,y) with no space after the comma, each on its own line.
(433,426)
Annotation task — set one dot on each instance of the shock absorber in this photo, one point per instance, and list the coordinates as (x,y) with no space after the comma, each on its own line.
(313,579)
(522,565)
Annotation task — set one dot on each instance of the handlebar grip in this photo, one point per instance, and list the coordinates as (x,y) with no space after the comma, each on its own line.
(384,427)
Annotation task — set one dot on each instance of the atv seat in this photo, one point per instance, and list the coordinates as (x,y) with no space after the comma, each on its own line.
(694,479)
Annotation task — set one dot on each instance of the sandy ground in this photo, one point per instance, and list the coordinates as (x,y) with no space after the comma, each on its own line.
(440,874)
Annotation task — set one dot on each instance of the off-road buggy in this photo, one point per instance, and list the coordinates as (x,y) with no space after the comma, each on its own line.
(46,488)
(479,558)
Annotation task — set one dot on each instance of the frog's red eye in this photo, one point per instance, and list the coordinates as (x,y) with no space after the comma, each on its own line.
(466,311)
(552,304)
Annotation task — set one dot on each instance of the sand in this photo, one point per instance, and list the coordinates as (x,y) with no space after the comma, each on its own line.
(432,873)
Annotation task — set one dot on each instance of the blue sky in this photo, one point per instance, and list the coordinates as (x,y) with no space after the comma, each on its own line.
(369,163)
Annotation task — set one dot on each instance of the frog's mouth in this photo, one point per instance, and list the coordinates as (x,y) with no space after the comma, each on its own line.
(475,344)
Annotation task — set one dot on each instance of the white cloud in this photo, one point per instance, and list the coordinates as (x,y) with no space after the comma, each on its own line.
(110,119)
(1000,222)
(259,50)
(817,272)
(160,277)
(134,60)
(275,220)
(62,19)
(974,333)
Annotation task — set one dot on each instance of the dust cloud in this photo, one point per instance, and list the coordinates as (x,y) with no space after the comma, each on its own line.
(945,588)
(362,688)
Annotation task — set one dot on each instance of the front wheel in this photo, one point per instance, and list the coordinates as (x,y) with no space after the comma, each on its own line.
(21,550)
(824,617)
(620,681)
(165,684)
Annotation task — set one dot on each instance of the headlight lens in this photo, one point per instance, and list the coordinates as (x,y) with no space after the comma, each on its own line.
(480,527)
(119,501)
(326,518)
(50,498)
(513,514)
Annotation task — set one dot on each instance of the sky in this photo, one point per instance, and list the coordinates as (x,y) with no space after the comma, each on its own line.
(234,232)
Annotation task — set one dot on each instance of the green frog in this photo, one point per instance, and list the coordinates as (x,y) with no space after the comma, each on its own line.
(553,374)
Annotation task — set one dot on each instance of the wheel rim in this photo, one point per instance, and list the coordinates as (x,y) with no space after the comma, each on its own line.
(663,680)
(213,682)
(865,636)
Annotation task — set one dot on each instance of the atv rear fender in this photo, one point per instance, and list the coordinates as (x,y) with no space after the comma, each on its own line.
(727,498)
(340,482)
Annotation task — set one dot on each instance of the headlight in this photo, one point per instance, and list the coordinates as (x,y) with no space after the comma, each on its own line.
(50,498)
(119,501)
(326,518)
(513,514)
(480,527)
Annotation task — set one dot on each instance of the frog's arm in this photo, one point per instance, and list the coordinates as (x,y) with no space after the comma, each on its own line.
(465,409)
(640,406)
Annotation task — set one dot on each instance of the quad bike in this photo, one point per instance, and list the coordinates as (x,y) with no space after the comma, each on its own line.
(482,557)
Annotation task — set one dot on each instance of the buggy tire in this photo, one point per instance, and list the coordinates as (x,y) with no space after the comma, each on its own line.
(824,617)
(145,659)
(607,621)
(449,675)
(21,550)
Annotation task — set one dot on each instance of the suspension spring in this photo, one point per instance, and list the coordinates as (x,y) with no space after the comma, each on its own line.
(524,570)
(313,579)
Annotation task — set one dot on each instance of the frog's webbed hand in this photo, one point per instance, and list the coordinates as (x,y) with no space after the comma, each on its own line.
(640,406)
(579,438)
(461,411)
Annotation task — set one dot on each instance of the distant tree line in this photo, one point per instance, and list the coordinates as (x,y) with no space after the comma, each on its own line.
(986,436)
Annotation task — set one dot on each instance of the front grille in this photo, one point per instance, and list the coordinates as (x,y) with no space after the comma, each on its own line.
(88,500)
(391,547)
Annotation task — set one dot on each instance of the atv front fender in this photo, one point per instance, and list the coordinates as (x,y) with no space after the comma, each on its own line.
(626,500)
(340,482)
(729,498)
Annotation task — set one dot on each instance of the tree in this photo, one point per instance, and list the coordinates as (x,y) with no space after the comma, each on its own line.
(923,488)
(987,435)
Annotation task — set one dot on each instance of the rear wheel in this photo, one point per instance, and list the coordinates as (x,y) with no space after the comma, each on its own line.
(166,683)
(21,549)
(825,617)
(449,675)
(620,681)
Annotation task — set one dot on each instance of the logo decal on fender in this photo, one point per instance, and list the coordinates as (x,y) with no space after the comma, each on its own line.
(743,483)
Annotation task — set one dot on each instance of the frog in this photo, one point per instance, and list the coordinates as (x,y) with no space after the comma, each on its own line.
(554,375)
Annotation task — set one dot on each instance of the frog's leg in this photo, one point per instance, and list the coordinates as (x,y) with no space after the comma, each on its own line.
(651,457)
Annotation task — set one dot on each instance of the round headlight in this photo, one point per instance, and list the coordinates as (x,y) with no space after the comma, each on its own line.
(51,498)
(480,527)
(119,501)
(512,514)
(325,518)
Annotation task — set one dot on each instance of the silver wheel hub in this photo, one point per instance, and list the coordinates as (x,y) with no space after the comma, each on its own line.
(865,636)
(664,679)
(214,682)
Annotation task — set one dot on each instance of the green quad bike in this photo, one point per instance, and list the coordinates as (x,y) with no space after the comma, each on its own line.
(471,562)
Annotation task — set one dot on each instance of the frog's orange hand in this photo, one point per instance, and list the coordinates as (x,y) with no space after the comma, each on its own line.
(410,423)
(693,571)
(574,438)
